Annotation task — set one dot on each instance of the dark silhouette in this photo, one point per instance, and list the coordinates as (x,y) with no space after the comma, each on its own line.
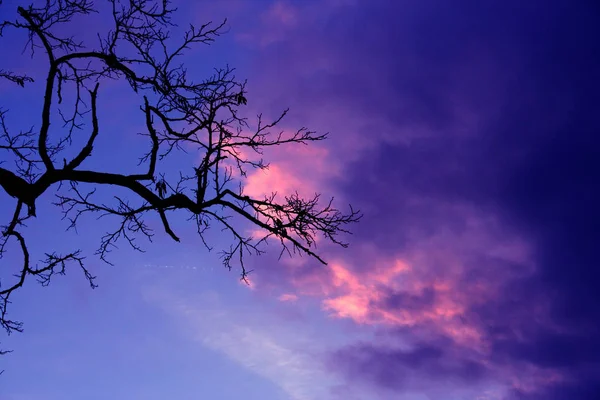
(177,112)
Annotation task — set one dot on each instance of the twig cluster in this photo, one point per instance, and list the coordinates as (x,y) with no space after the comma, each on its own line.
(179,114)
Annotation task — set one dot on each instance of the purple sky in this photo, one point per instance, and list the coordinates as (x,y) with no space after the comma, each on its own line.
(466,132)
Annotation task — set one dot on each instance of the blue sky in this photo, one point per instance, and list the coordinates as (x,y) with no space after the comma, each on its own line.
(465,131)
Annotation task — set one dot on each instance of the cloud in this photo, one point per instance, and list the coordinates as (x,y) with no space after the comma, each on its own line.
(286,356)
(302,169)
(401,369)
(288,297)
(282,13)
(257,350)
(465,133)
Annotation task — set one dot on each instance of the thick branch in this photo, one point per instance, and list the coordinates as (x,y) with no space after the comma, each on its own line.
(180,115)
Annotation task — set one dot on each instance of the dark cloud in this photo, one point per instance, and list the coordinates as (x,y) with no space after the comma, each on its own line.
(490,106)
(532,158)
(407,369)
(396,300)
(587,391)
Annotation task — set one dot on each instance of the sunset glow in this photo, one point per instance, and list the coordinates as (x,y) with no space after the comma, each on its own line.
(465,132)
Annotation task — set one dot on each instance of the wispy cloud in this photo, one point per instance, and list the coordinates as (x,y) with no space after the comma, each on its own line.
(286,356)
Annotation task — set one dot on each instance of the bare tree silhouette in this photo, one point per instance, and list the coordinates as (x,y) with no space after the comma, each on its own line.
(178,114)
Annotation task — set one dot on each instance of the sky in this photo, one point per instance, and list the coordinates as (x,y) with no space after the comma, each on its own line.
(467,134)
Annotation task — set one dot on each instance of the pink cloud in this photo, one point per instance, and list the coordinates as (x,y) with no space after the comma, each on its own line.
(281,13)
(363,297)
(424,285)
(274,179)
(304,169)
(428,290)
(288,297)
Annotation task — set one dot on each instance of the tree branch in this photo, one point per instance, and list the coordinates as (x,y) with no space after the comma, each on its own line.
(179,114)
